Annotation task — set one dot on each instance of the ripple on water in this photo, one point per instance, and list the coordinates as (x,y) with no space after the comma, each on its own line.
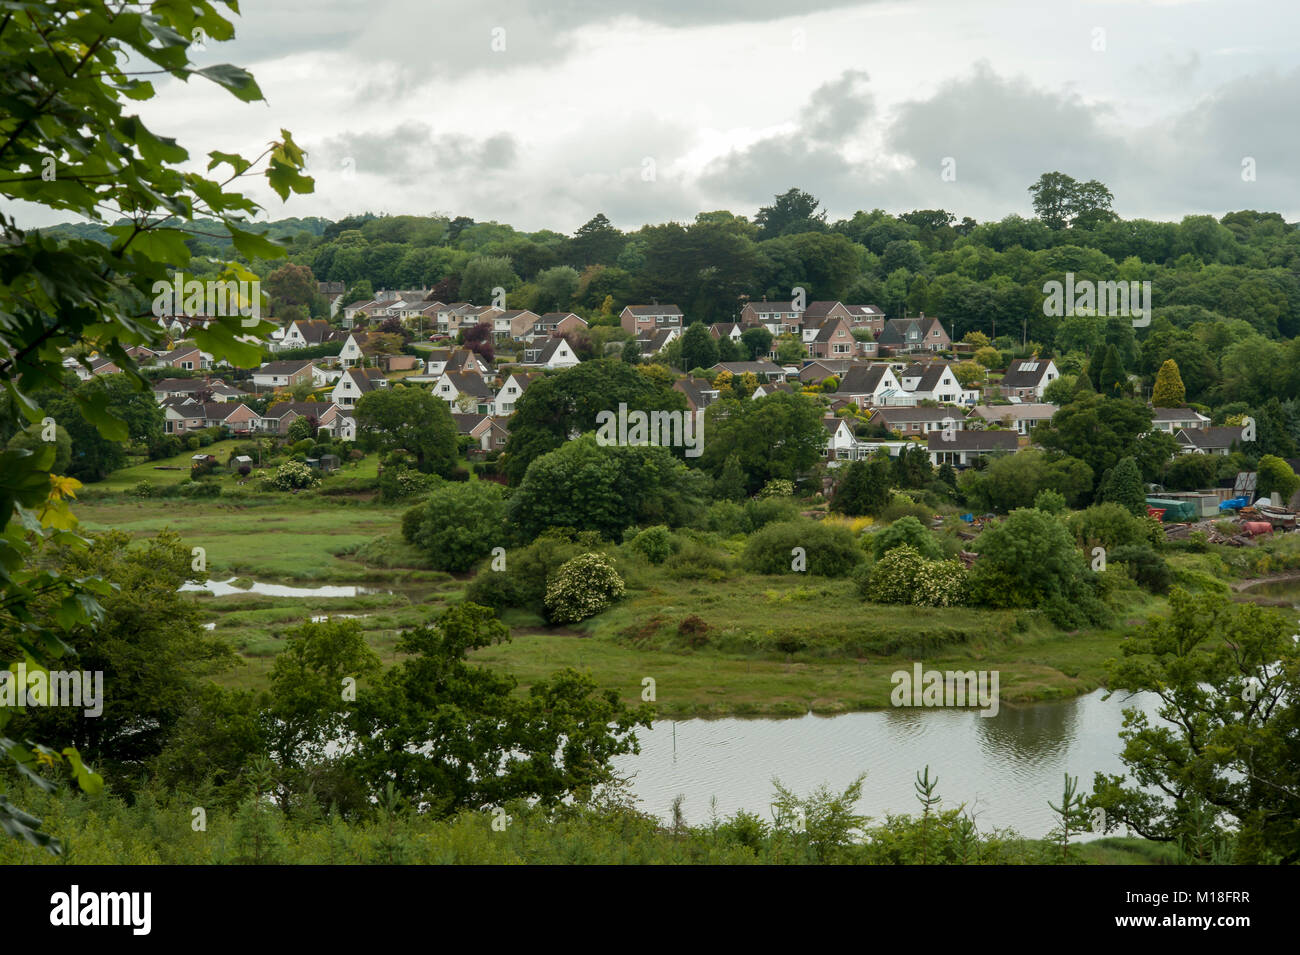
(1005,767)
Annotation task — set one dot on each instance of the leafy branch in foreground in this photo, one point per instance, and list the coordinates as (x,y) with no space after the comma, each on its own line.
(69,143)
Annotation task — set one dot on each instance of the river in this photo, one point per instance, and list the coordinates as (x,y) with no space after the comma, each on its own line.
(1005,768)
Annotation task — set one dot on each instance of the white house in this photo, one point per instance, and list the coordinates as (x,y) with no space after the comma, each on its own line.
(936,382)
(555,353)
(355,382)
(511,389)
(1028,378)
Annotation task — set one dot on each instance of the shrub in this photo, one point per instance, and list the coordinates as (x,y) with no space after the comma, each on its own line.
(770,511)
(830,549)
(582,588)
(143,489)
(523,582)
(1053,502)
(904,576)
(1146,566)
(201,489)
(192,443)
(656,544)
(727,518)
(694,631)
(906,531)
(1111,525)
(777,487)
(459,524)
(400,483)
(294,475)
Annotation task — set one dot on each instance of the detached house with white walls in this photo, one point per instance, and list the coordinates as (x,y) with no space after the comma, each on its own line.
(1028,378)
(354,383)
(511,390)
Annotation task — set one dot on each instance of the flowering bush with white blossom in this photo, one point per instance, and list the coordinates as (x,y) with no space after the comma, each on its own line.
(582,588)
(903,576)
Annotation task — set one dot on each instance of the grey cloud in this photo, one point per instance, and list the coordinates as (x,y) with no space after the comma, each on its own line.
(1003,133)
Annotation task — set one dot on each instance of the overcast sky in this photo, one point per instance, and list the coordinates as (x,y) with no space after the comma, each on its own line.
(540,113)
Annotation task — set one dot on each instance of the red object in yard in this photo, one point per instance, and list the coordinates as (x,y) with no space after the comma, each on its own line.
(1157,512)
(1255,528)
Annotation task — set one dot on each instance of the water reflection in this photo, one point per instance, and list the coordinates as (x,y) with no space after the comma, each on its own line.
(1005,768)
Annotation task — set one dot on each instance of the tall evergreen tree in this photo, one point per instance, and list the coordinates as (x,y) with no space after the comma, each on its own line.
(1114,382)
(1168,391)
(1123,485)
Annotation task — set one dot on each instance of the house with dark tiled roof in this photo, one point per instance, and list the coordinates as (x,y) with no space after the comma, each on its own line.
(652,344)
(464,390)
(235,417)
(871,384)
(512,390)
(206,388)
(764,369)
(935,381)
(1174,420)
(815,372)
(183,415)
(910,422)
(831,338)
(355,382)
(644,320)
(558,323)
(551,353)
(1208,440)
(1028,378)
(301,334)
(913,334)
(277,418)
(766,388)
(962,449)
(185,356)
(518,323)
(283,374)
(732,330)
(866,316)
(699,392)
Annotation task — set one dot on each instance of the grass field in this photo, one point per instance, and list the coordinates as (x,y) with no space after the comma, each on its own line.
(769,645)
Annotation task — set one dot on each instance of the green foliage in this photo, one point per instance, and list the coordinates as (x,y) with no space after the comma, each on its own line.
(656,544)
(866,488)
(829,550)
(903,576)
(779,436)
(1122,484)
(458,524)
(293,475)
(559,405)
(413,420)
(1168,390)
(1225,676)
(777,487)
(1110,525)
(906,531)
(1050,502)
(1028,559)
(583,587)
(1276,476)
(605,489)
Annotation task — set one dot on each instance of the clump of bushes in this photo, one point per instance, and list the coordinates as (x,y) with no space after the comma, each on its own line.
(458,525)
(293,475)
(829,550)
(583,587)
(655,544)
(906,531)
(904,576)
